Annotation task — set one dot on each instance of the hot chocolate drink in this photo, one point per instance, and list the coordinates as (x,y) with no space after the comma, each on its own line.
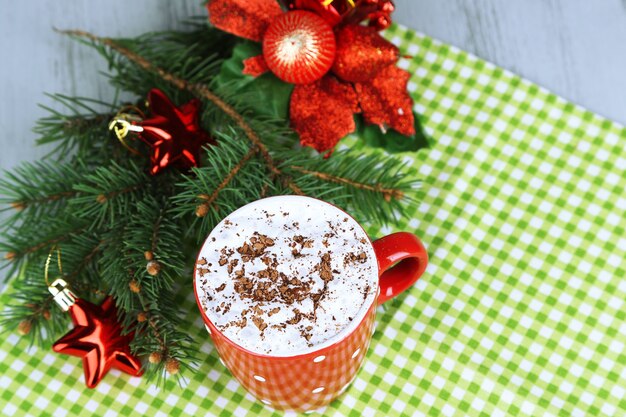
(285,275)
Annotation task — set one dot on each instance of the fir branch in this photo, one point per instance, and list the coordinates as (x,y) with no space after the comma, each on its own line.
(109,192)
(123,231)
(117,271)
(210,199)
(233,175)
(387,193)
(24,242)
(195,56)
(152,236)
(22,203)
(32,312)
(37,188)
(81,127)
(168,349)
(78,260)
(32,309)
(85,263)
(141,259)
(197,89)
(372,187)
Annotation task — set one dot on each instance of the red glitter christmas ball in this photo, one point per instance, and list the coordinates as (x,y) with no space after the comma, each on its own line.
(299,47)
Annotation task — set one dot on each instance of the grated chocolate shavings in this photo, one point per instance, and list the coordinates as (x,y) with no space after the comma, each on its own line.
(271,286)
(297,316)
(325,269)
(259,323)
(355,258)
(240,323)
(273,311)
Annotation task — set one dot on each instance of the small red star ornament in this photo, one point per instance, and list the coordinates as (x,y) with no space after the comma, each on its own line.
(173,133)
(97,336)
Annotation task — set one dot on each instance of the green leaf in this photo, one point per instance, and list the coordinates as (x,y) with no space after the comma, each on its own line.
(266,95)
(392,141)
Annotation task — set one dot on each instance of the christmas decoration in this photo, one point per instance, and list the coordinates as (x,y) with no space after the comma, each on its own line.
(384,101)
(299,48)
(323,111)
(362,53)
(173,133)
(248,19)
(97,336)
(333,11)
(129,236)
(377,12)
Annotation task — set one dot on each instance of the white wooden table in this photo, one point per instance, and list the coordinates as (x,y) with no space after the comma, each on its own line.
(574,47)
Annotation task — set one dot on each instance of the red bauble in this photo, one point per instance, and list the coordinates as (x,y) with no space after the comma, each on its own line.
(97,338)
(173,133)
(299,47)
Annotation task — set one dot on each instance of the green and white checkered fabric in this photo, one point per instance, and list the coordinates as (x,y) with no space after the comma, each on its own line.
(522,309)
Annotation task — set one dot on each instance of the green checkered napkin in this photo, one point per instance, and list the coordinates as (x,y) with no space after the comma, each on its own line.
(521,310)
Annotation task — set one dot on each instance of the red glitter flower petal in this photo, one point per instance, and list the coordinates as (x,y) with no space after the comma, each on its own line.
(245,18)
(255,66)
(380,21)
(362,53)
(386,102)
(322,112)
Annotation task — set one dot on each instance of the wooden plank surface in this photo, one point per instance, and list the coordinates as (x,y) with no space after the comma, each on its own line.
(573,47)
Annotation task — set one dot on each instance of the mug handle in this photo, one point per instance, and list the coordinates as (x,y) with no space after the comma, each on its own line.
(402,259)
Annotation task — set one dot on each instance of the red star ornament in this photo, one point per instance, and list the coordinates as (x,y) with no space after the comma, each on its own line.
(98,339)
(173,133)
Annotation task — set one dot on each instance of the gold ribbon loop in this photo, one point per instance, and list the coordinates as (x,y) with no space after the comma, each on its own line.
(59,289)
(122,124)
(122,127)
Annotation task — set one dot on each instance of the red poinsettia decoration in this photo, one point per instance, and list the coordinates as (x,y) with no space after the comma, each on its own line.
(338,66)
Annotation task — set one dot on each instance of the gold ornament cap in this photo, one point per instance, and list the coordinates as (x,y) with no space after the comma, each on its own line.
(62,294)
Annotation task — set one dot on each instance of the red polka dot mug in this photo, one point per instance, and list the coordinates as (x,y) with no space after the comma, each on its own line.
(307,381)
